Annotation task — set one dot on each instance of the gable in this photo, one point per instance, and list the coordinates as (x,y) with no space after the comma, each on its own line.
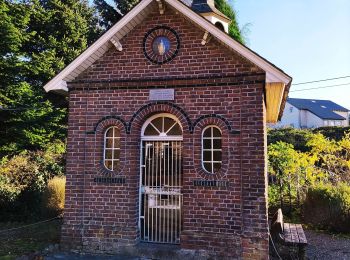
(193,60)
(277,82)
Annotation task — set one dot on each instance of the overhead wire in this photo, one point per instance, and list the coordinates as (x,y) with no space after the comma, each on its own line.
(320,80)
(329,86)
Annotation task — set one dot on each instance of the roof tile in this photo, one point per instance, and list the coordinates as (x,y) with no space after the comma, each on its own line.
(322,108)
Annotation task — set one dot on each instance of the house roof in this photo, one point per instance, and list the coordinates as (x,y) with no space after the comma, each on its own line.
(135,17)
(322,108)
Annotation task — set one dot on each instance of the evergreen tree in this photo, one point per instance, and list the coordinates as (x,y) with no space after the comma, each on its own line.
(38,39)
(233,29)
(112,12)
(110,15)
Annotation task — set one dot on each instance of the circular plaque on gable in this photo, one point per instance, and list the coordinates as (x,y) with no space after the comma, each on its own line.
(161,44)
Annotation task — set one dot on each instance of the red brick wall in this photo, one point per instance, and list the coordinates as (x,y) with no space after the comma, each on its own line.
(193,59)
(228,221)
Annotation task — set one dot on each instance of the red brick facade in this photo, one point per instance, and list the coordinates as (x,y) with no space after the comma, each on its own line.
(213,85)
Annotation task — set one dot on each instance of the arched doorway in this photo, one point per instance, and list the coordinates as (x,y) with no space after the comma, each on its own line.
(161,180)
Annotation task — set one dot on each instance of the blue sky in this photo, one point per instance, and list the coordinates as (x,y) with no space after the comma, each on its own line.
(308,39)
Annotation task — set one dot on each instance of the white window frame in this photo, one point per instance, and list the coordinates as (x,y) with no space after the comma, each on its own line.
(212,149)
(161,136)
(112,149)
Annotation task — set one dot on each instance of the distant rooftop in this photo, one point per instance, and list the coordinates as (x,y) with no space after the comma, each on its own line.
(321,108)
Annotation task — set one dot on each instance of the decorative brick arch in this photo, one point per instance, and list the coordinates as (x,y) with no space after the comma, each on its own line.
(100,128)
(110,119)
(140,116)
(225,128)
(223,119)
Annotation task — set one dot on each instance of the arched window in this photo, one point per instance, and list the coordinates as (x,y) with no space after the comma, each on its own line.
(111,151)
(162,126)
(211,149)
(220,26)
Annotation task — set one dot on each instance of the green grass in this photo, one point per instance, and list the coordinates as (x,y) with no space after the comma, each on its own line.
(28,239)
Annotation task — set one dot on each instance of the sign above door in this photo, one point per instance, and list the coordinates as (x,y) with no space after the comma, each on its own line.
(162,94)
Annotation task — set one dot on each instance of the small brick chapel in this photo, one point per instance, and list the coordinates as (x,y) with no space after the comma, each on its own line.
(167,136)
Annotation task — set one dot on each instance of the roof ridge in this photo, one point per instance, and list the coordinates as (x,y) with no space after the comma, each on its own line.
(311,99)
(84,60)
(324,109)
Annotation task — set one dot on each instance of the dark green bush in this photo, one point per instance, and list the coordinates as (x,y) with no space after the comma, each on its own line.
(334,132)
(297,137)
(327,206)
(274,196)
(23,179)
(9,192)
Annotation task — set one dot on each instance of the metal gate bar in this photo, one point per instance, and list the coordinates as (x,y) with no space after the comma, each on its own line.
(160,214)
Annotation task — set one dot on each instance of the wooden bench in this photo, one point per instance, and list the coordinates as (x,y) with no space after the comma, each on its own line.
(288,234)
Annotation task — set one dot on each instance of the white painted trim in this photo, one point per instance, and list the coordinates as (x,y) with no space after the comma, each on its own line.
(158,137)
(140,184)
(162,138)
(227,20)
(272,73)
(206,38)
(113,148)
(54,84)
(161,6)
(62,85)
(202,147)
(116,44)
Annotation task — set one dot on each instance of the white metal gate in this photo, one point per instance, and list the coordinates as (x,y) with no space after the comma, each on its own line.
(160,191)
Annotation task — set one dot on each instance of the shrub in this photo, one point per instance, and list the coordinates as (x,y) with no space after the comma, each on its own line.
(22,182)
(332,156)
(290,171)
(299,137)
(8,191)
(334,132)
(53,197)
(274,196)
(23,178)
(328,206)
(296,137)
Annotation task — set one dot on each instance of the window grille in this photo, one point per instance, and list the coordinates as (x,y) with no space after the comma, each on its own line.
(160,180)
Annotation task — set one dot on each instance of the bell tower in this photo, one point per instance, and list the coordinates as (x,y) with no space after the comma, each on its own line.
(207,9)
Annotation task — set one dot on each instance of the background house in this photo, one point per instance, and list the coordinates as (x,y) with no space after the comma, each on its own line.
(311,113)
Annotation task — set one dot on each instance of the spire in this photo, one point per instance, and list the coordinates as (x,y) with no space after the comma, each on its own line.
(207,9)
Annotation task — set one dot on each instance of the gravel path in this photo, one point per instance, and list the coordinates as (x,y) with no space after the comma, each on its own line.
(320,246)
(326,247)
